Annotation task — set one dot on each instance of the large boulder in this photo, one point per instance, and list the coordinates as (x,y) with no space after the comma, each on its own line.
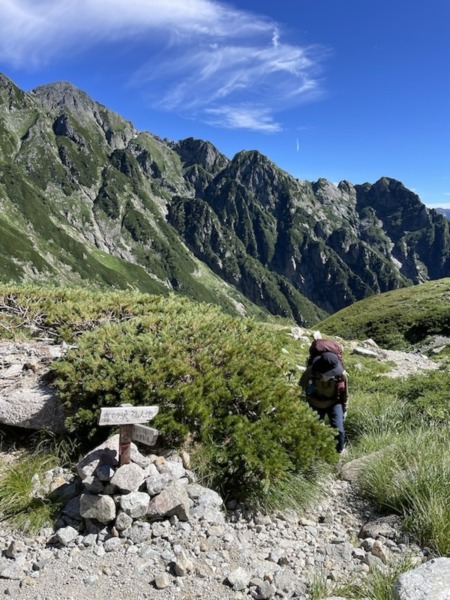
(26,398)
(430,581)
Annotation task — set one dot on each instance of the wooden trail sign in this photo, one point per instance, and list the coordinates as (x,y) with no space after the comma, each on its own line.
(125,444)
(127,417)
(145,435)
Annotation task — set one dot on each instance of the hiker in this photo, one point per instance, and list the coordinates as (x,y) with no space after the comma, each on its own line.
(325,384)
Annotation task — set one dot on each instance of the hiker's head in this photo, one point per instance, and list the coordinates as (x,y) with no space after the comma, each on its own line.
(328,365)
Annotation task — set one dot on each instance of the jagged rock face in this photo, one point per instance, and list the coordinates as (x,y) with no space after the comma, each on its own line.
(87,198)
(257,175)
(204,154)
(418,236)
(311,235)
(62,98)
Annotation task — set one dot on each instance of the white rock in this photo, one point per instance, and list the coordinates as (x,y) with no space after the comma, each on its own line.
(430,581)
(128,478)
(99,508)
(135,504)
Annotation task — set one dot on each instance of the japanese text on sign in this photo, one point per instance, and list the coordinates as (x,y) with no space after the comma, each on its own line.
(127,415)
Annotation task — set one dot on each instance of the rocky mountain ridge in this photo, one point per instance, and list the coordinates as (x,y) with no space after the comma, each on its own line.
(89,200)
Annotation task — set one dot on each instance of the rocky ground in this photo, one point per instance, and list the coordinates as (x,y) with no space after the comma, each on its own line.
(213,557)
(217,554)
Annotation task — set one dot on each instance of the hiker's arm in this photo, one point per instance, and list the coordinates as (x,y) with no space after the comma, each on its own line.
(344,399)
(304,379)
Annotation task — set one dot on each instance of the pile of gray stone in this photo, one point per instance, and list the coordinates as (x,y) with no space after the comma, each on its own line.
(124,502)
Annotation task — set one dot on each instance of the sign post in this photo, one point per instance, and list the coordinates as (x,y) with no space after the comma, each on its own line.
(125,444)
(127,417)
(145,435)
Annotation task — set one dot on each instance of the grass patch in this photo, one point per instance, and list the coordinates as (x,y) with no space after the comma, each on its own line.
(19,507)
(296,492)
(377,585)
(382,407)
(319,588)
(408,421)
(412,478)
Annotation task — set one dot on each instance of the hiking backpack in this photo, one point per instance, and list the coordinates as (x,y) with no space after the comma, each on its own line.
(320,346)
(315,385)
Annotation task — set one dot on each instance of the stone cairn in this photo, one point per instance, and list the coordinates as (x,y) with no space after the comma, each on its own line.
(127,499)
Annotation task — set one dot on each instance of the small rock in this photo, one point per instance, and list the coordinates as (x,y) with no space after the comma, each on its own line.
(128,478)
(162,581)
(99,508)
(183,565)
(238,579)
(135,504)
(171,501)
(113,544)
(90,580)
(66,535)
(380,551)
(265,591)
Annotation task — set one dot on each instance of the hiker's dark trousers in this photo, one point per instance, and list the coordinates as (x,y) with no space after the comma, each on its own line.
(336,416)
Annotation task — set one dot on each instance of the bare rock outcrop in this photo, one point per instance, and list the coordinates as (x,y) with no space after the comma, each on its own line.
(27,398)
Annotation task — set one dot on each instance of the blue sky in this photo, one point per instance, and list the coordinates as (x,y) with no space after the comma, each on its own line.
(341,89)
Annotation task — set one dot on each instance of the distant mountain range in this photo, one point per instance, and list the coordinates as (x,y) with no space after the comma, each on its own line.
(444,211)
(86,199)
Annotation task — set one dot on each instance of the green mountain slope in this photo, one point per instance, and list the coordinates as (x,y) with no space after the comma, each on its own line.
(87,199)
(79,208)
(396,319)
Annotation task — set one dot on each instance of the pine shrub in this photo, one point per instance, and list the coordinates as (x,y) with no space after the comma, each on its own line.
(219,381)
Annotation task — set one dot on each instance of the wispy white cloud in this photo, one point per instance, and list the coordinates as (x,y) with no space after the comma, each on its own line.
(243,117)
(202,58)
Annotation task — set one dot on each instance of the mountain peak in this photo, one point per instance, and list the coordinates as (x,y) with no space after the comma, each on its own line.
(63,94)
(5,81)
(63,97)
(11,94)
(200,152)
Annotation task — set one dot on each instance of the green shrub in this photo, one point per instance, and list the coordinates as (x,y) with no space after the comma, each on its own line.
(217,380)
(65,313)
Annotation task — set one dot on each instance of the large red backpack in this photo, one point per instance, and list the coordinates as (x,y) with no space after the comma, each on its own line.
(320,346)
